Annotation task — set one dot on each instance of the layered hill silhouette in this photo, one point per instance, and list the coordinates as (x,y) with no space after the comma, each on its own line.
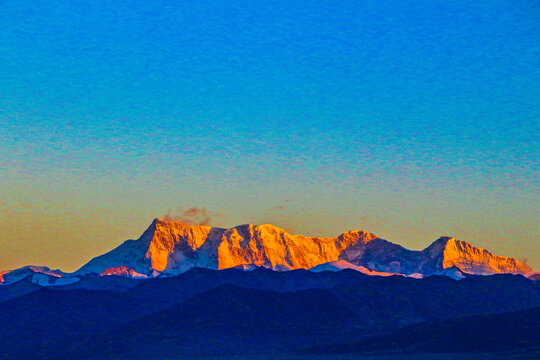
(510,332)
(182,291)
(204,312)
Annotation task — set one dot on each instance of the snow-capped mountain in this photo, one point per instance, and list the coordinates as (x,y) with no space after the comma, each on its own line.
(41,275)
(444,253)
(171,247)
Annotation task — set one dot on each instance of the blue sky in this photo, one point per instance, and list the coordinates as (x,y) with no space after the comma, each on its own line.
(407,119)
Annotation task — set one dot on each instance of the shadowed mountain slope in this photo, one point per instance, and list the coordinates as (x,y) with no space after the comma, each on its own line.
(517,331)
(285,309)
(229,320)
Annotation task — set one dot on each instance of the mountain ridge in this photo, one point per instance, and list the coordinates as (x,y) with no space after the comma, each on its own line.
(172,247)
(205,312)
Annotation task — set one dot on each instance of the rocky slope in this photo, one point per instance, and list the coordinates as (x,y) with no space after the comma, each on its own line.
(174,247)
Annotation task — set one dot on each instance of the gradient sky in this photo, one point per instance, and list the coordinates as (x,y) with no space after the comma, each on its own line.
(408,119)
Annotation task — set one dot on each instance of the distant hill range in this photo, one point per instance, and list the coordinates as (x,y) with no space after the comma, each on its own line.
(265,314)
(168,248)
(257,292)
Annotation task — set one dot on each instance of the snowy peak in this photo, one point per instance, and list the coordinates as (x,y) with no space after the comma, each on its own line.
(10,276)
(447,252)
(479,261)
(122,271)
(174,243)
(172,247)
(274,248)
(437,247)
(41,275)
(451,272)
(166,246)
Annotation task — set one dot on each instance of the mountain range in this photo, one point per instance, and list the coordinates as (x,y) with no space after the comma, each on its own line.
(262,313)
(256,292)
(169,247)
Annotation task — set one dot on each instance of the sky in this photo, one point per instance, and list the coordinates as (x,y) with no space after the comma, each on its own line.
(408,119)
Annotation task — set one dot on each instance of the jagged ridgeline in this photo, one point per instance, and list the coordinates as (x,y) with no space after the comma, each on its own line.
(169,247)
(186,292)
